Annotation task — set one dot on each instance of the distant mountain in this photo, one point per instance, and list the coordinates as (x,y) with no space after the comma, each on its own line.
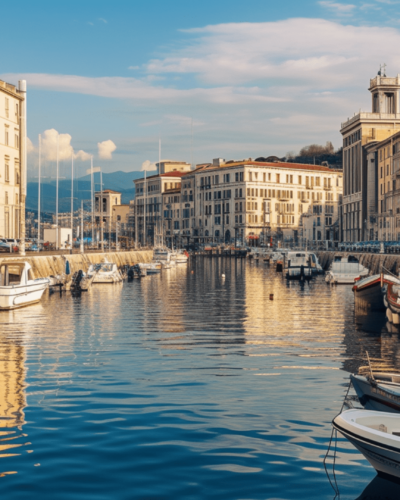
(117,181)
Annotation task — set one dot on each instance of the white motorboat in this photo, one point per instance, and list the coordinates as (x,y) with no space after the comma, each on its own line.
(379,391)
(105,272)
(315,265)
(18,287)
(376,435)
(180,257)
(161,254)
(344,270)
(298,266)
(150,268)
(164,257)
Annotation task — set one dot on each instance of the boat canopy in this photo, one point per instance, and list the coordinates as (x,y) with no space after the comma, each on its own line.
(15,273)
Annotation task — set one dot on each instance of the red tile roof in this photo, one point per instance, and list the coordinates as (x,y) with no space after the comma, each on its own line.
(299,166)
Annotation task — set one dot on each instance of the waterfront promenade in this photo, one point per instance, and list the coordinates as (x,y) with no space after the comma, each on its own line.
(53,263)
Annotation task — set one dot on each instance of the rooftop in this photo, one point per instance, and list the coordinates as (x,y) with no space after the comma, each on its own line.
(284,165)
(174,173)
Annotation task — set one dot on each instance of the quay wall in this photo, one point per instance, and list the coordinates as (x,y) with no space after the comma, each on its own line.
(372,261)
(47,265)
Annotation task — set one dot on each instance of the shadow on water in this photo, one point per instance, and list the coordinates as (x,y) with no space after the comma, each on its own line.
(381,488)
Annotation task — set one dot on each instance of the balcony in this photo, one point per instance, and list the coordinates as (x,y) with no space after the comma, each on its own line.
(327,188)
(308,186)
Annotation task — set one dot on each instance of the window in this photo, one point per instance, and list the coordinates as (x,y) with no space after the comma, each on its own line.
(6,136)
(6,197)
(250,176)
(7,172)
(16,110)
(255,175)
(278,178)
(264,177)
(17,177)
(237,177)
(269,177)
(7,107)
(217,221)
(241,176)
(299,179)
(227,219)
(176,224)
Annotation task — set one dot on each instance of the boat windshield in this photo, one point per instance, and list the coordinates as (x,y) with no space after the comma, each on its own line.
(107,267)
(10,274)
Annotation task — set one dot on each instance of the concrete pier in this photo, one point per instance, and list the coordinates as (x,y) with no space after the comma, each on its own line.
(372,261)
(47,265)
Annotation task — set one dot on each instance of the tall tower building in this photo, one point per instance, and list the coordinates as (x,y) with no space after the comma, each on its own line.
(359,177)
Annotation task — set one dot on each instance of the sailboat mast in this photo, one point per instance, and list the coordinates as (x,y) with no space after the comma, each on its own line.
(57,231)
(40,166)
(91,188)
(72,200)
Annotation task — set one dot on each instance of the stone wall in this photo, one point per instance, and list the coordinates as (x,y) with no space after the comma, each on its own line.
(47,265)
(371,261)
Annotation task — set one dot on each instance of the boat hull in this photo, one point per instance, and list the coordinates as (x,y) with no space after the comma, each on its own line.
(383,458)
(375,397)
(21,296)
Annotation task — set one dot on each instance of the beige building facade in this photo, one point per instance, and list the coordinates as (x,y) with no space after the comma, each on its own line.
(256,201)
(12,163)
(360,208)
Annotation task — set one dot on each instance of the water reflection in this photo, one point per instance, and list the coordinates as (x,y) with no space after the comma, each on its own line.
(185,384)
(381,488)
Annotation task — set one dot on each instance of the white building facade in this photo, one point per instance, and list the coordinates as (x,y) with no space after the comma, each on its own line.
(12,160)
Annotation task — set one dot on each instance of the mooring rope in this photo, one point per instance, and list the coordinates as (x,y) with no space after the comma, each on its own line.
(334,485)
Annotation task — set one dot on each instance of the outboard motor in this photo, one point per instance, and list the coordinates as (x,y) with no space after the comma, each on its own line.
(76,280)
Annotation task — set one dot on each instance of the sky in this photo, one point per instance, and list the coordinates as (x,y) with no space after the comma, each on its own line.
(208,79)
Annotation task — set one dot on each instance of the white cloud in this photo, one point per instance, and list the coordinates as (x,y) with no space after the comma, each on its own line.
(49,147)
(106,149)
(338,8)
(103,20)
(148,166)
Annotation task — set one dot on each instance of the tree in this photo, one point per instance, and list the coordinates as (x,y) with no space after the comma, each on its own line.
(316,150)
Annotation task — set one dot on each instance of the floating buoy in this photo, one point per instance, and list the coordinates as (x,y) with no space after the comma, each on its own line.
(271,296)
(222,275)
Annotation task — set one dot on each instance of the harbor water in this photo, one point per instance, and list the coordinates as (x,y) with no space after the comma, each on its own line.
(185,385)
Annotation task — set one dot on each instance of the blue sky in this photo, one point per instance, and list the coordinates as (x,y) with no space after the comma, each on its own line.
(250,79)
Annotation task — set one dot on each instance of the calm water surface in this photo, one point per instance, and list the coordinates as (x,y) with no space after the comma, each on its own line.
(184,385)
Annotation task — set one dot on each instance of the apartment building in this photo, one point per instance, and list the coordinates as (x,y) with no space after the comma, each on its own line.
(251,200)
(149,202)
(12,160)
(359,214)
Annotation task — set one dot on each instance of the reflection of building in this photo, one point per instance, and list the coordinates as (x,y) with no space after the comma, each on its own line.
(12,384)
(12,199)
(360,211)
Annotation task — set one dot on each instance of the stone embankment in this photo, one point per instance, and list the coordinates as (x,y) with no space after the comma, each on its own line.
(51,265)
(372,261)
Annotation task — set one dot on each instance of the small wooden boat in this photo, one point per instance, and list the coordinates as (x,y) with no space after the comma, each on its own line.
(369,292)
(378,391)
(151,267)
(18,287)
(376,435)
